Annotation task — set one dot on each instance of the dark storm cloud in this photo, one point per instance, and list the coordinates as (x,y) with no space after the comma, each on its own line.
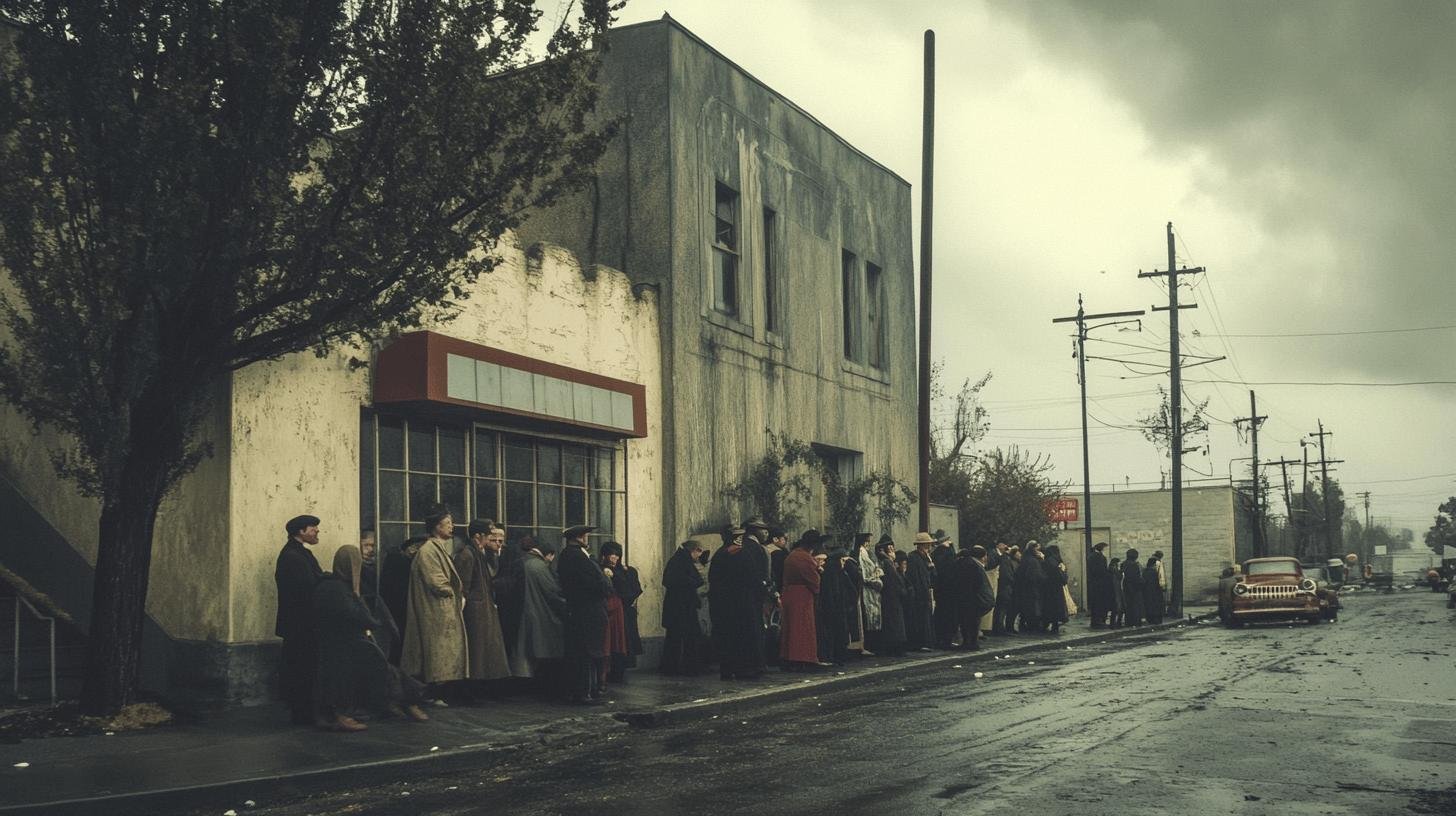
(1332,122)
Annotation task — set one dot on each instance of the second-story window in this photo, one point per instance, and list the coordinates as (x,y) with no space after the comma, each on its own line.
(875,314)
(725,250)
(850,298)
(770,270)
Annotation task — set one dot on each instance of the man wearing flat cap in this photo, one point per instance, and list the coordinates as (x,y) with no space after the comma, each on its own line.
(585,587)
(296,573)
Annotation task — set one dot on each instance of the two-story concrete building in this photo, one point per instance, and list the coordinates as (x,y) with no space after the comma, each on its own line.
(737,268)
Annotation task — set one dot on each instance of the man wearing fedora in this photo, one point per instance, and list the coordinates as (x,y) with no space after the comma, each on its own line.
(585,587)
(755,538)
(919,578)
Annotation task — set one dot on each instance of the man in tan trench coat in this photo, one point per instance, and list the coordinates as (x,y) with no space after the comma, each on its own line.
(435,646)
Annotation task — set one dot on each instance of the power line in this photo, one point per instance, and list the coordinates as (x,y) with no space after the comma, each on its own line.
(1333,382)
(1339,333)
(1411,479)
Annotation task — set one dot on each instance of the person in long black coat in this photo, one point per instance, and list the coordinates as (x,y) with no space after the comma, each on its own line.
(1030,577)
(837,603)
(733,604)
(1132,589)
(680,604)
(755,550)
(1119,605)
(585,588)
(628,584)
(892,602)
(973,593)
(1152,593)
(296,573)
(1004,619)
(947,619)
(1053,597)
(919,581)
(394,587)
(1099,586)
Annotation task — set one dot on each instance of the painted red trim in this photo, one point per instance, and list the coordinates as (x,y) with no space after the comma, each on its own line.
(414,368)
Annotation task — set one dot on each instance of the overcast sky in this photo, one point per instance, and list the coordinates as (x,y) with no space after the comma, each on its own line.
(1303,151)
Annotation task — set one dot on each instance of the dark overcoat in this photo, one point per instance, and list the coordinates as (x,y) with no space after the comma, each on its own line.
(680,600)
(919,578)
(1099,584)
(352,671)
(892,605)
(585,588)
(1029,580)
(1132,591)
(482,619)
(1053,599)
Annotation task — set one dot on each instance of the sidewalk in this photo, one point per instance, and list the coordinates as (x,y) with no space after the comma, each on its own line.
(252,754)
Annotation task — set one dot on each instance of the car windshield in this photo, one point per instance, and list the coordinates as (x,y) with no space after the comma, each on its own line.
(1271,568)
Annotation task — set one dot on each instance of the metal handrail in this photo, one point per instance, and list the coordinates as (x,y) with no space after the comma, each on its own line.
(16,663)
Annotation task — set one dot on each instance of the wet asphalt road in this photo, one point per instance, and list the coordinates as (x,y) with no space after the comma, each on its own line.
(1357,717)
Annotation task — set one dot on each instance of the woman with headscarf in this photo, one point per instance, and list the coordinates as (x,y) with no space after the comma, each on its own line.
(436,649)
(1053,596)
(613,665)
(872,580)
(1132,589)
(1030,578)
(353,672)
(799,633)
(892,601)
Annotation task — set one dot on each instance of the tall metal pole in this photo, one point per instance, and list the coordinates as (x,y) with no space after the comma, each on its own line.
(927,202)
(1325,493)
(1176,371)
(1261,547)
(1086,458)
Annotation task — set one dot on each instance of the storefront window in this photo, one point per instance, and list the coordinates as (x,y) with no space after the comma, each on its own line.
(532,485)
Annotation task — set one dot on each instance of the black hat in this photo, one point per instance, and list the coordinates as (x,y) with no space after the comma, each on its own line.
(811,538)
(297,524)
(573,532)
(433,517)
(1101,545)
(756,523)
(861,538)
(884,539)
(610,548)
(775,532)
(941,537)
(480,527)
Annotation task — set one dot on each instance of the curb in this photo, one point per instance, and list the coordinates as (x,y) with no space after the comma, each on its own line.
(282,787)
(679,713)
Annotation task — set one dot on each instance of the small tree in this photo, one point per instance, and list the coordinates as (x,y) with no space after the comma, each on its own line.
(776,488)
(1442,533)
(190,188)
(1008,497)
(1157,426)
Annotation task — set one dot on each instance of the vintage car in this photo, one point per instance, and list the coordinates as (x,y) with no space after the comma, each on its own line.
(1274,588)
(1327,587)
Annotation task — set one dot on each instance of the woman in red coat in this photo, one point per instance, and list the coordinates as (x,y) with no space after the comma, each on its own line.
(798,640)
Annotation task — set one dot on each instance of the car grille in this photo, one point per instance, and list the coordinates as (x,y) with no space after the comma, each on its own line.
(1262,591)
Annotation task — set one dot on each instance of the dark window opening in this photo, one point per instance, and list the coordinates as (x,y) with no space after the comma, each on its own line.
(725,250)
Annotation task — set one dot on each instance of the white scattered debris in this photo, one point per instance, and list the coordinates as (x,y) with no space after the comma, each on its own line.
(404,793)
(978,675)
(1031,662)
(1069,648)
(453,787)
(22,764)
(745,722)
(434,748)
(249,803)
(840,674)
(701,700)
(229,812)
(715,716)
(1006,657)
(956,666)
(110,733)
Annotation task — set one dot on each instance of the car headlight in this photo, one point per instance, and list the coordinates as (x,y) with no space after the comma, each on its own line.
(1240,589)
(1307,585)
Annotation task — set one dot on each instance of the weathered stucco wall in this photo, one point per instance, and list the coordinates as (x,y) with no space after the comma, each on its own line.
(1143,520)
(296,421)
(730,379)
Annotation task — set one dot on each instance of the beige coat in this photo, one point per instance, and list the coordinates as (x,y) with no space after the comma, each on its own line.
(435,645)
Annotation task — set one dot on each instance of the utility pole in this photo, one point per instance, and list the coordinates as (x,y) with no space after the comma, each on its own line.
(1324,464)
(1081,319)
(1304,543)
(927,201)
(1261,547)
(1175,396)
(1365,535)
(1288,506)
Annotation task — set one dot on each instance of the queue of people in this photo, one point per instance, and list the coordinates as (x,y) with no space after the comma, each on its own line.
(438,619)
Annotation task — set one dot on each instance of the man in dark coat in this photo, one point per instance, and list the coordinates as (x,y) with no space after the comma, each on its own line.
(838,603)
(1099,585)
(919,579)
(892,600)
(734,603)
(946,616)
(1003,621)
(1029,581)
(1053,596)
(1152,592)
(680,603)
(973,593)
(778,552)
(585,588)
(296,573)
(1132,589)
(755,549)
(394,586)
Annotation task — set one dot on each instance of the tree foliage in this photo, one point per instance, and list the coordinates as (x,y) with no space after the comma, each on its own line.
(776,489)
(1307,522)
(1157,426)
(193,187)
(1442,533)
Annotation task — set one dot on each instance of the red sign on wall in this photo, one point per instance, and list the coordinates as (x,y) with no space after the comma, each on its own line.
(1062,510)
